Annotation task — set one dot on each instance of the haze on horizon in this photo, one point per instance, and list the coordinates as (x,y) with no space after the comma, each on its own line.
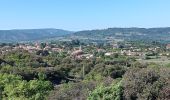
(77,15)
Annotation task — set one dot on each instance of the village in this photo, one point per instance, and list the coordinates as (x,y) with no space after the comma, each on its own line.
(89,51)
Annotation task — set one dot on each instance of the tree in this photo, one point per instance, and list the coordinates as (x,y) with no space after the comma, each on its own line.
(43,45)
(75,42)
(42,52)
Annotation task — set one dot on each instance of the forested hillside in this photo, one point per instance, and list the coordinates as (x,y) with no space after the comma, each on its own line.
(127,34)
(30,34)
(158,34)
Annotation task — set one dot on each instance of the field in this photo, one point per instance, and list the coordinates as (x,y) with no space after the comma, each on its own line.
(161,60)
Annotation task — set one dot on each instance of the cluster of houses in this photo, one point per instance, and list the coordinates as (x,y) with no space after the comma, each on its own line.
(37,47)
(141,52)
(78,53)
(30,48)
(75,53)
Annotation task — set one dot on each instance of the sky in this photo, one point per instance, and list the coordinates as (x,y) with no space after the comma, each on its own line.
(75,15)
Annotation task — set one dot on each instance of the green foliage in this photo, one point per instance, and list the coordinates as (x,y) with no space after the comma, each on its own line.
(72,91)
(41,76)
(42,52)
(145,83)
(112,92)
(168,65)
(94,77)
(14,88)
(74,78)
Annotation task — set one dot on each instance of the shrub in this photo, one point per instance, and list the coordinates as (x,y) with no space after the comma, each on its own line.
(145,83)
(112,92)
(72,91)
(12,87)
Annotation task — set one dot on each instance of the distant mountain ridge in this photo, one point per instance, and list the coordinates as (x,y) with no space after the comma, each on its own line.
(127,33)
(18,35)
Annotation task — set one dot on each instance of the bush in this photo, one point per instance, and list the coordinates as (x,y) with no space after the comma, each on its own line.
(112,92)
(72,91)
(12,87)
(145,83)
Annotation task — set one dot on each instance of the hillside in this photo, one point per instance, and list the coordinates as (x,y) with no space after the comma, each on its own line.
(126,34)
(158,34)
(30,34)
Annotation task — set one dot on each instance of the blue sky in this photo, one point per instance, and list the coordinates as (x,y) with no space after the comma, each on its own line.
(83,14)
